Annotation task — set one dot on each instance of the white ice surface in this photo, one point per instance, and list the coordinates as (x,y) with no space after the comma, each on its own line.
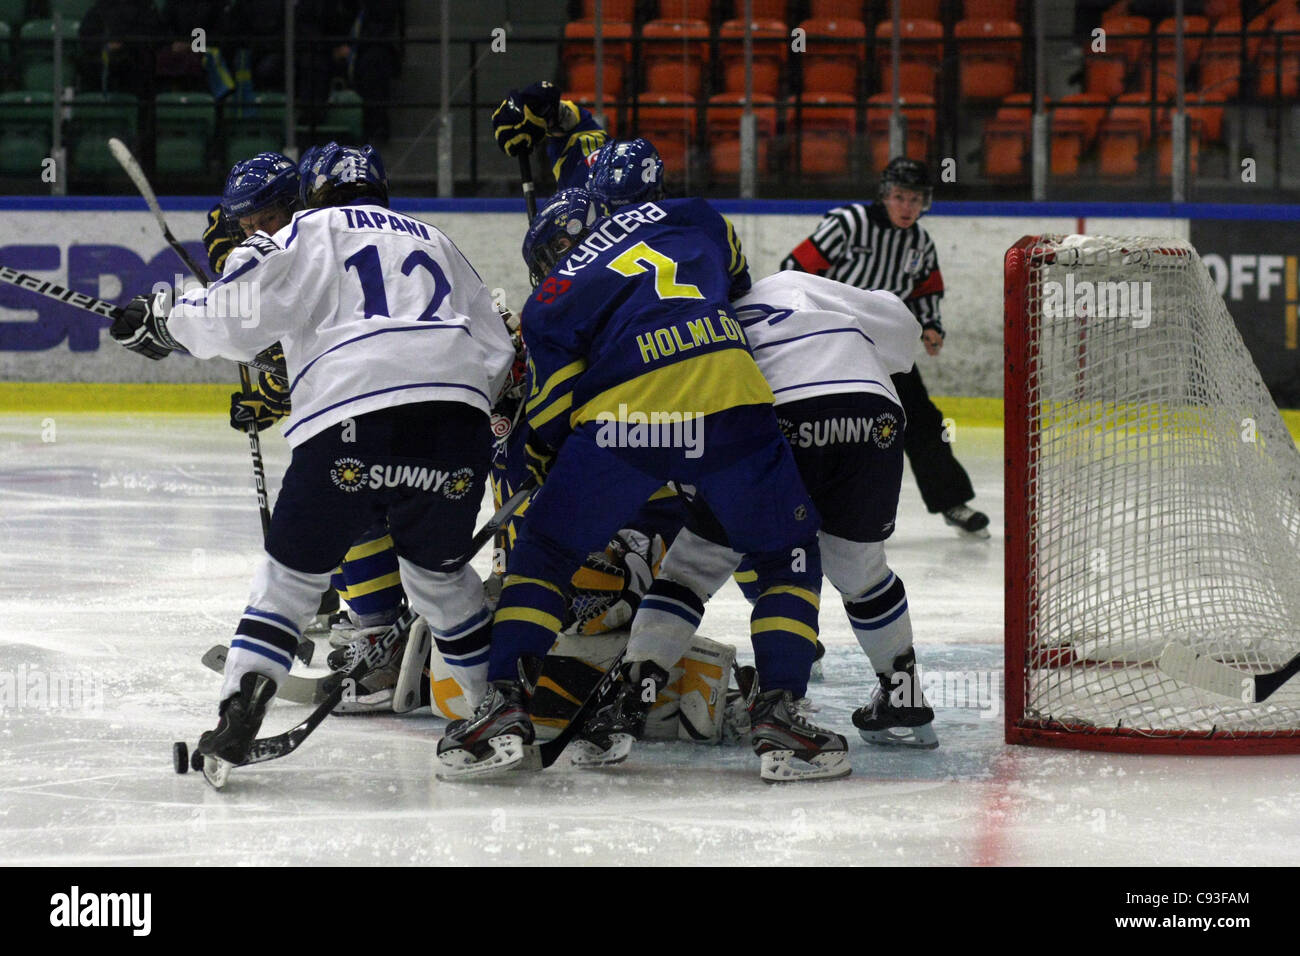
(126,546)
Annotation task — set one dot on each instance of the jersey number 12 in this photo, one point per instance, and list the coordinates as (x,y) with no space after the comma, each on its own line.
(369,271)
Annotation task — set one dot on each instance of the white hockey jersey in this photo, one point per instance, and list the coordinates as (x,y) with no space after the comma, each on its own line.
(373,309)
(814,336)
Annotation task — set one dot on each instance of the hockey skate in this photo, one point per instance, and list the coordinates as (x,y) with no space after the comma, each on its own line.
(239,719)
(608,735)
(789,746)
(346,657)
(898,713)
(970,521)
(493,740)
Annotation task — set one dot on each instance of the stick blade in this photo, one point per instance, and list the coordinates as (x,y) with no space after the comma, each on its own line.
(120,151)
(1182,663)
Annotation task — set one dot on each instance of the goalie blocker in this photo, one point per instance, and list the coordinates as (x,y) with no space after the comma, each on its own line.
(691,707)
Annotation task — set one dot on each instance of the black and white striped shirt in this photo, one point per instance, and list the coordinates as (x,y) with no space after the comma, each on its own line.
(858,245)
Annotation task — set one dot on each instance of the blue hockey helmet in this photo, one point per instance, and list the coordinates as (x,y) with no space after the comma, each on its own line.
(334,175)
(627,172)
(560,225)
(266,180)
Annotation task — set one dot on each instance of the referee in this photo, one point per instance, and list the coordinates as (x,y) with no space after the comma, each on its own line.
(881,246)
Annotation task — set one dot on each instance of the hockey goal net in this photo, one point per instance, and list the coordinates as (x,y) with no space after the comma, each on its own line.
(1153,507)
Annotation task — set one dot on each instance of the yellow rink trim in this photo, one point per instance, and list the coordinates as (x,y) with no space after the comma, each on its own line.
(45,398)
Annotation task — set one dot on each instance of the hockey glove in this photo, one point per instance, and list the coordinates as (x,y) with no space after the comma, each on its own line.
(538,458)
(274,389)
(245,409)
(525,116)
(142,326)
(217,240)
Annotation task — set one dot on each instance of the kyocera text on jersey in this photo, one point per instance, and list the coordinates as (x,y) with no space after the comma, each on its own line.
(383,221)
(610,231)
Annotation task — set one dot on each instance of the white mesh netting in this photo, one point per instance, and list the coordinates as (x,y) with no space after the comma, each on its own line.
(1163,491)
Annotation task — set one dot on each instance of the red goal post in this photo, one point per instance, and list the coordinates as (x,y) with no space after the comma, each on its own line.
(1152,508)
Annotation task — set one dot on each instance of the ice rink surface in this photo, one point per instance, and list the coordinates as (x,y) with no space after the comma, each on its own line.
(127,544)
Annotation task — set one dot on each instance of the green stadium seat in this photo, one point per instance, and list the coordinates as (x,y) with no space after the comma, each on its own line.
(344,112)
(259,129)
(25,119)
(95,117)
(186,123)
(12,11)
(36,53)
(75,9)
(6,36)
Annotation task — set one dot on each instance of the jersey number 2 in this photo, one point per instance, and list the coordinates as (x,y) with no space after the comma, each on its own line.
(630,263)
(369,271)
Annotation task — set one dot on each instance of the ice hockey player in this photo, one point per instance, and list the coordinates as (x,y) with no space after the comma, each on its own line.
(534,115)
(883,246)
(261,195)
(625,173)
(827,350)
(631,318)
(394,353)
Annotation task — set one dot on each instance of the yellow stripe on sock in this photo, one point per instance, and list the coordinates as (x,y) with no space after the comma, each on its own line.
(369,548)
(375,584)
(814,599)
(513,579)
(764,624)
(527,615)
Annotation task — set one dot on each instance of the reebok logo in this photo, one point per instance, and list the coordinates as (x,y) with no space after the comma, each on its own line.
(75,909)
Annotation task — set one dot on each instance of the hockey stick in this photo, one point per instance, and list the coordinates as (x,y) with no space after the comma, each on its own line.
(107,310)
(540,756)
(526,182)
(1200,670)
(132,169)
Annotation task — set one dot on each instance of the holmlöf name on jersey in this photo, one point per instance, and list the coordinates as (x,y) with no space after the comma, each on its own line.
(664,342)
(361,219)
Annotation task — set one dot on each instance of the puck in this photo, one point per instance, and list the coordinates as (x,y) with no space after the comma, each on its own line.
(180,756)
(196,761)
(305,650)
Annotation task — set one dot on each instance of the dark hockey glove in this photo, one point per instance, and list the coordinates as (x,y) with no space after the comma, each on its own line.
(274,389)
(217,240)
(142,326)
(538,458)
(245,409)
(524,117)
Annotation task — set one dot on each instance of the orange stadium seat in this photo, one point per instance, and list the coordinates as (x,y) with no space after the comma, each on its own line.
(1167,55)
(833,67)
(1214,9)
(668,121)
(1279,60)
(675,53)
(834,54)
(1221,58)
(836,10)
(683,10)
(921,55)
(1125,132)
(989,10)
(1086,108)
(771,44)
(762,10)
(1006,138)
(580,55)
(829,122)
(919,112)
(1207,109)
(614,10)
(725,112)
(914,10)
(988,56)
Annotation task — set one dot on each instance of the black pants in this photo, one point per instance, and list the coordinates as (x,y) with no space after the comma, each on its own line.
(943,481)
